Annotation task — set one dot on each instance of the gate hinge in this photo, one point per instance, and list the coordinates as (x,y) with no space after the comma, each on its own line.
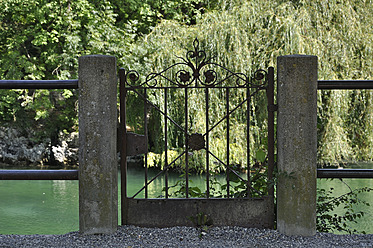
(272,107)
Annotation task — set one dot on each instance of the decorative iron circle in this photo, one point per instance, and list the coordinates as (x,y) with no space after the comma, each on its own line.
(196,141)
(132,77)
(260,74)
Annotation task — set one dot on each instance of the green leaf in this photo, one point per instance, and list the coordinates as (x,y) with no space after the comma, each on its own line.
(260,156)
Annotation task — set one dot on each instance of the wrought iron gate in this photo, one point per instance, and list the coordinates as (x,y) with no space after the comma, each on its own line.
(198,74)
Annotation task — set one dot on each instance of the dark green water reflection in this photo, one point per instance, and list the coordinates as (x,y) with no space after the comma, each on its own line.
(51,207)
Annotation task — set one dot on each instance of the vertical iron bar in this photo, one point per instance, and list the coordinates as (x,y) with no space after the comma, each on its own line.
(186,145)
(146,143)
(123,144)
(207,145)
(271,130)
(228,171)
(248,113)
(165,142)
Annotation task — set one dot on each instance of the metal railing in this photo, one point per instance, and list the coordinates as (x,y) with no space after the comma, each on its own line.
(39,84)
(344,173)
(73,174)
(39,174)
(344,85)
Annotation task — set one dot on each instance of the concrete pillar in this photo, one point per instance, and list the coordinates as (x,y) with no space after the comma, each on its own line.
(297,144)
(98,173)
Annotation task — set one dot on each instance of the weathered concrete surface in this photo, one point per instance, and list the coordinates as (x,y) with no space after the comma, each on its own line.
(98,186)
(221,212)
(297,144)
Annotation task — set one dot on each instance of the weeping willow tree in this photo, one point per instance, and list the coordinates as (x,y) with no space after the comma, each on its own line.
(247,35)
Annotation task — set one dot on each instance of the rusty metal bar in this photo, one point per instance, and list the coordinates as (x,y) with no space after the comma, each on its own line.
(248,98)
(344,84)
(271,129)
(123,144)
(186,145)
(146,133)
(39,84)
(39,175)
(207,143)
(165,142)
(344,173)
(227,111)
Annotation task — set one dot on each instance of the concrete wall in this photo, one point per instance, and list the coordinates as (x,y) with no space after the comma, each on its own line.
(98,172)
(221,212)
(297,144)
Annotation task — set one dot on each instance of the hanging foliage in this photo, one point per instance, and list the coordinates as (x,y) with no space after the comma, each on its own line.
(247,35)
(43,39)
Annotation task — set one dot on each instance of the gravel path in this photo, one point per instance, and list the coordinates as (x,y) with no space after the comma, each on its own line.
(130,236)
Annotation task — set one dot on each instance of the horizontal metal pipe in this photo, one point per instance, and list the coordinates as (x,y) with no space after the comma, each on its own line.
(39,174)
(39,84)
(73,174)
(344,173)
(344,84)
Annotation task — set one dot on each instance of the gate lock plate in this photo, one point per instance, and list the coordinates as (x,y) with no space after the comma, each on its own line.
(136,144)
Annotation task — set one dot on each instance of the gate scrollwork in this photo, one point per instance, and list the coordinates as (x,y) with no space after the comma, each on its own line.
(196,70)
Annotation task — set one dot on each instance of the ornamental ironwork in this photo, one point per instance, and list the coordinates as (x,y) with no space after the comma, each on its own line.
(196,70)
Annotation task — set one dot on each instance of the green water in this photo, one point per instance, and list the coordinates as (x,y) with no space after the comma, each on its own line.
(51,207)
(38,207)
(365,223)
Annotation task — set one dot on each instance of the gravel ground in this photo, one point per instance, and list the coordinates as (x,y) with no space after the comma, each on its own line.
(131,236)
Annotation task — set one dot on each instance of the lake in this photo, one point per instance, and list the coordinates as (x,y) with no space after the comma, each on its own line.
(51,206)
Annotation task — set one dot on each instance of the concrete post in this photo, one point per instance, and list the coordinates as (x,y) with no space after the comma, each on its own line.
(297,144)
(98,173)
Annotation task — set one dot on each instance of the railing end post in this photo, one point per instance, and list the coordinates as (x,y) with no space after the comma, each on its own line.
(98,169)
(297,144)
